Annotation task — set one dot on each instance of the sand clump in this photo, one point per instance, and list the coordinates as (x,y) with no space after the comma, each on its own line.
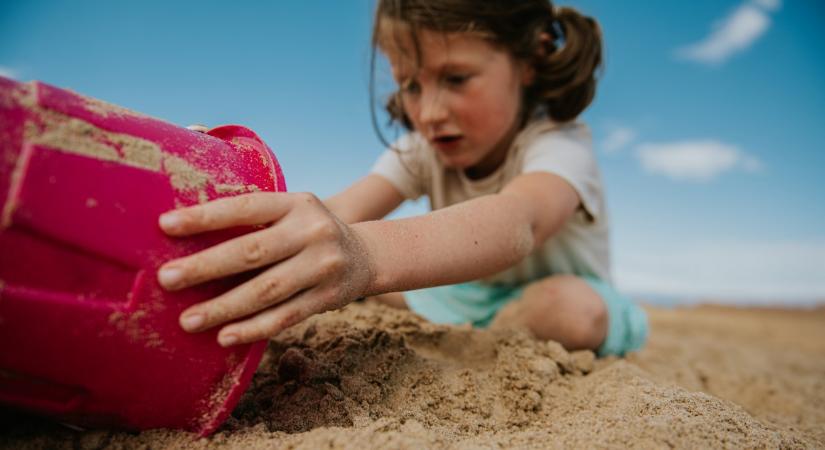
(369,376)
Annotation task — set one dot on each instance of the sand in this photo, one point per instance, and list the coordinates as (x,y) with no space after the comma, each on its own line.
(374,377)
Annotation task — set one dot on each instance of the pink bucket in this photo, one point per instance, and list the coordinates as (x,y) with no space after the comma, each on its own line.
(86,333)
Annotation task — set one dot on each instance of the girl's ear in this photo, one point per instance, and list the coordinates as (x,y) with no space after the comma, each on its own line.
(528,74)
(528,69)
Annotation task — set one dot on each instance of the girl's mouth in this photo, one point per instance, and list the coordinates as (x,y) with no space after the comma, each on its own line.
(447,142)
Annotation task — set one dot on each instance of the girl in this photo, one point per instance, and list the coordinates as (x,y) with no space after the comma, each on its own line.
(518,235)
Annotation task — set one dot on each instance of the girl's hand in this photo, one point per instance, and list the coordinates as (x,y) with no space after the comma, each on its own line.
(316,263)
(198,127)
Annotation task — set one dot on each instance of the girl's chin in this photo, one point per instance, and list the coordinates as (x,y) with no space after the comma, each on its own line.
(455,161)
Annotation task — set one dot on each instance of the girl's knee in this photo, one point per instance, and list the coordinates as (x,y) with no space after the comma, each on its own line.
(587,321)
(574,314)
(594,325)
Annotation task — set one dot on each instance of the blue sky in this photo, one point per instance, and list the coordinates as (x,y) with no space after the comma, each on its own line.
(709,120)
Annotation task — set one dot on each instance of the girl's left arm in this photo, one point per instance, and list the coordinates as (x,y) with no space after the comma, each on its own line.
(317,263)
(469,240)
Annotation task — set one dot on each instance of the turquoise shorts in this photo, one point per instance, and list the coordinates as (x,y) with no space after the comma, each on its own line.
(478,303)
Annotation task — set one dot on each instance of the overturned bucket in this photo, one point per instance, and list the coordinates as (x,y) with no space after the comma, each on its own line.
(86,333)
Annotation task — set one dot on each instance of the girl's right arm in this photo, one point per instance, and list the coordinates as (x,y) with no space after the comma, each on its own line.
(370,198)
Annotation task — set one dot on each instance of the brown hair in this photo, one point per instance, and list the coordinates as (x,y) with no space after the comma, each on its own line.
(565,65)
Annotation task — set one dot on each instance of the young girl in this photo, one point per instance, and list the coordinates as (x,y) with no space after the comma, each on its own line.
(518,235)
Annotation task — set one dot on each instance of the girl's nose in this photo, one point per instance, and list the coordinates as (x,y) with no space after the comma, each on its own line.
(433,108)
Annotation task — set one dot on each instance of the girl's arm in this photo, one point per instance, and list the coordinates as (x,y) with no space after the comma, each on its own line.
(470,240)
(369,198)
(314,262)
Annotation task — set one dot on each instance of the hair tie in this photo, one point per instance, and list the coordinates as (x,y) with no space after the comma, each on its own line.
(558,32)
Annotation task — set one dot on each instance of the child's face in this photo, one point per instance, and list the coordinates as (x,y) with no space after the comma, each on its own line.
(463,96)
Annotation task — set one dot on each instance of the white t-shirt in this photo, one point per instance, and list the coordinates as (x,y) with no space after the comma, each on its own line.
(580,247)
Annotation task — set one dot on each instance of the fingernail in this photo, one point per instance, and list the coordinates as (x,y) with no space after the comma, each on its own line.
(169,221)
(227,340)
(192,322)
(170,276)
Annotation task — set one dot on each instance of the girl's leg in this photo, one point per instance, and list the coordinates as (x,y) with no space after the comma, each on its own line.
(563,308)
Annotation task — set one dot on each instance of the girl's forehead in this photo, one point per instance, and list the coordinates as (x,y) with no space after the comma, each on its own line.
(408,48)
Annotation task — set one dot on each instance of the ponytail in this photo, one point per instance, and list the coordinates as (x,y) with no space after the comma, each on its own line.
(566,65)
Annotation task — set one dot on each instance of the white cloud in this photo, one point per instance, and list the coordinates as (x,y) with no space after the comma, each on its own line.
(618,137)
(8,72)
(735,33)
(770,5)
(699,160)
(731,272)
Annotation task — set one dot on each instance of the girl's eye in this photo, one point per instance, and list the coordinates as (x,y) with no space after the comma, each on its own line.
(410,87)
(456,80)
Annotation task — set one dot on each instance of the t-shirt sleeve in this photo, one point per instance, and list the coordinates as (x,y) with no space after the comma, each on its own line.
(567,151)
(402,165)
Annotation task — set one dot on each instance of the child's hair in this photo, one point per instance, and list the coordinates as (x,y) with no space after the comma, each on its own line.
(565,65)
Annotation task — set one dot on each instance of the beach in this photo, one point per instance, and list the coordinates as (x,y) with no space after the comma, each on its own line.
(369,376)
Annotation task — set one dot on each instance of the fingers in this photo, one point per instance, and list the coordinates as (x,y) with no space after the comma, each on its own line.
(198,127)
(243,253)
(271,287)
(248,209)
(274,320)
(313,257)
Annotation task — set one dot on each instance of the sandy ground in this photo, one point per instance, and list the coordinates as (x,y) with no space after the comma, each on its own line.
(370,376)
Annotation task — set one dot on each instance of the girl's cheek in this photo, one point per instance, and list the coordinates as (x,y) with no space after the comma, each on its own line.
(412,110)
